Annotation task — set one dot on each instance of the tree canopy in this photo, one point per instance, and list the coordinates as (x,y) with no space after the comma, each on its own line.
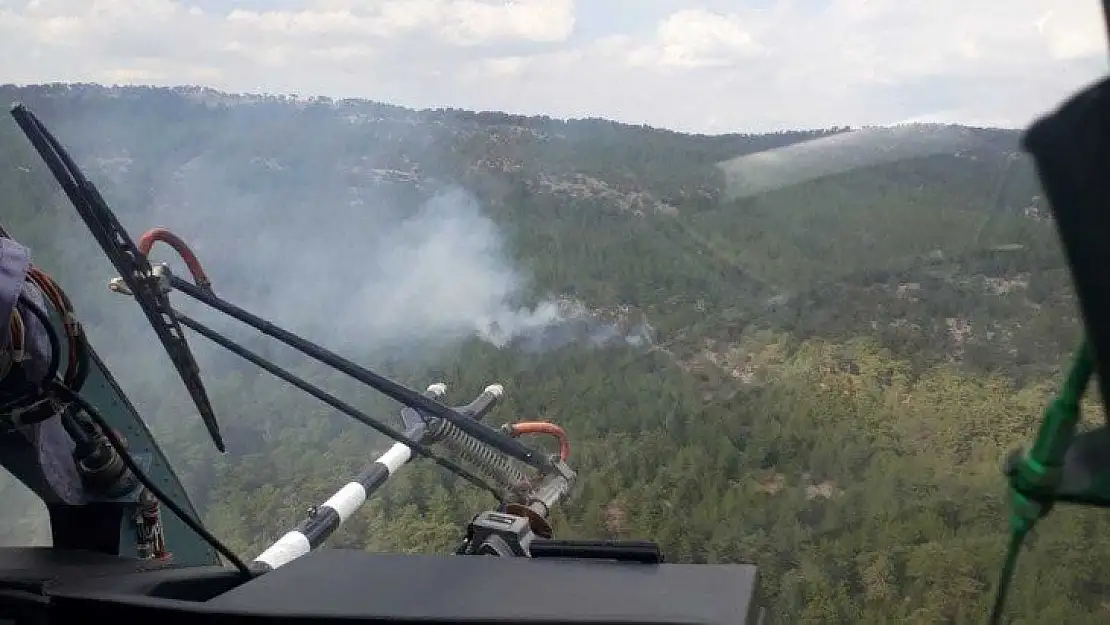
(836,370)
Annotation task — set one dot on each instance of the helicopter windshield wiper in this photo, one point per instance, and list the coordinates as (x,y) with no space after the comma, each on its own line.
(150,286)
(129,261)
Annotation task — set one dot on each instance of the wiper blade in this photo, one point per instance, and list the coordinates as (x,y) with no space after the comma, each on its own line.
(129,261)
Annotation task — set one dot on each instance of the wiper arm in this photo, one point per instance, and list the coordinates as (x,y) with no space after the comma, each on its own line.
(129,261)
(151,286)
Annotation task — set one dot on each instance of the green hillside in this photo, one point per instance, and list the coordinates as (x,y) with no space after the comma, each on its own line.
(837,366)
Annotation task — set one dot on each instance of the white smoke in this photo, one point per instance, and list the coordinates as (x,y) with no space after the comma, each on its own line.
(347,248)
(348,277)
(341,245)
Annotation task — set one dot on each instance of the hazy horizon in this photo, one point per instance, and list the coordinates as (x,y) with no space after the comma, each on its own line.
(434,107)
(696,66)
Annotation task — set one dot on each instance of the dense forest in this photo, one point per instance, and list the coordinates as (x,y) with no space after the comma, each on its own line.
(821,378)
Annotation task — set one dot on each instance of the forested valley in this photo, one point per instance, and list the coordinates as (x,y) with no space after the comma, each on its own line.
(821,379)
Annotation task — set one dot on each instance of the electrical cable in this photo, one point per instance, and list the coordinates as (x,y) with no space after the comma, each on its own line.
(125,455)
(1013,549)
(26,396)
(51,335)
(78,360)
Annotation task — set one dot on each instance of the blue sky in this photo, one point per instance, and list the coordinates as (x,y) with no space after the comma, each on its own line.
(701,66)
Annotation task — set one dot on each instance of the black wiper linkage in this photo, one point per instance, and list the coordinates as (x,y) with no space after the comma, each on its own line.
(151,286)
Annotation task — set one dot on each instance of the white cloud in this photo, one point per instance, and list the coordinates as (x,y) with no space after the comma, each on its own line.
(706,66)
(469,22)
(460,22)
(310,24)
(697,38)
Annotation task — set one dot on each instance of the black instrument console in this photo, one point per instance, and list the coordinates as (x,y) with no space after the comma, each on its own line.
(44,585)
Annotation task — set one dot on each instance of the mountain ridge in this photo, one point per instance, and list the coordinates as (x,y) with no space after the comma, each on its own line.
(835,370)
(215,96)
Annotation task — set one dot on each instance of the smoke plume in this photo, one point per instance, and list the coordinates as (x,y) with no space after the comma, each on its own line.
(358,249)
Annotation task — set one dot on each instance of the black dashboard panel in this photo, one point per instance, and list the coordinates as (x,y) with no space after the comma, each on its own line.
(340,586)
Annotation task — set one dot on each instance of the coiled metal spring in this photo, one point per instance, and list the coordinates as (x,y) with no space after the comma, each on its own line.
(491,462)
